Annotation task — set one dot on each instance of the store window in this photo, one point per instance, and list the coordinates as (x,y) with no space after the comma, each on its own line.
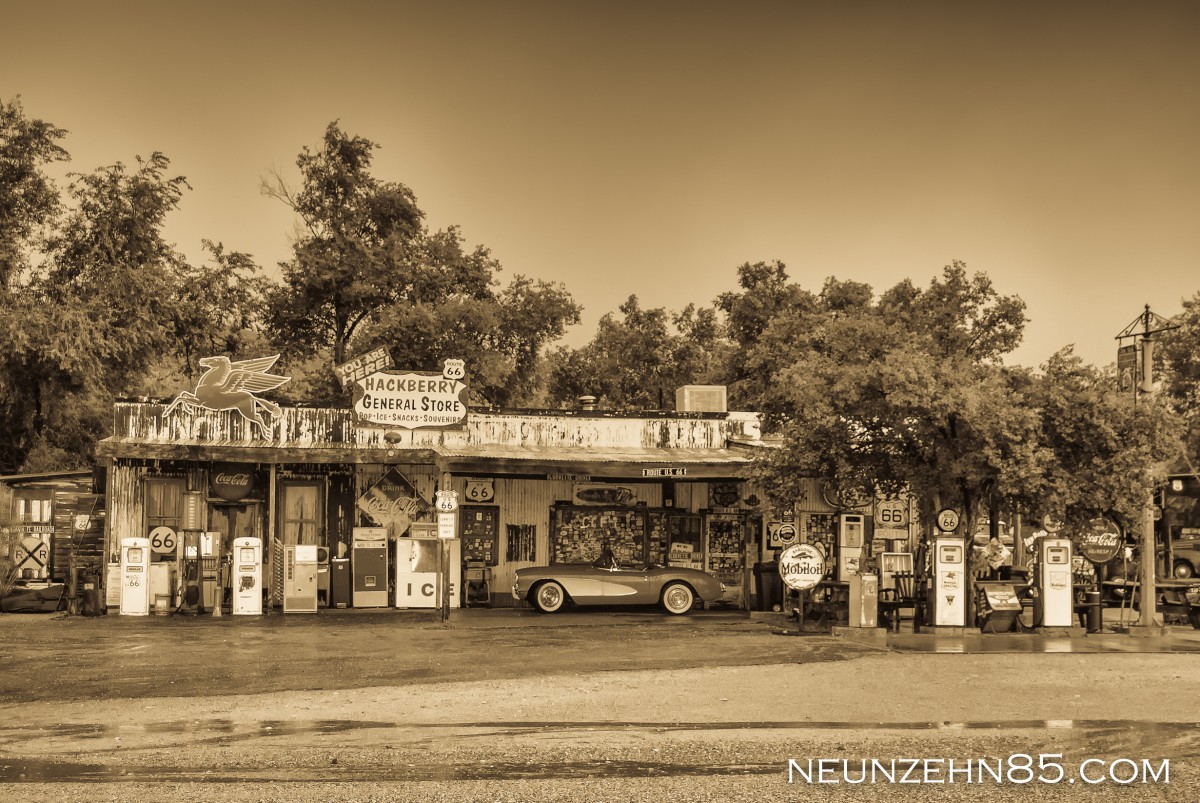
(33,510)
(302,517)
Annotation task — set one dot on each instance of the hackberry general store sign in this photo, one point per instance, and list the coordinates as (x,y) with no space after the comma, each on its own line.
(413,399)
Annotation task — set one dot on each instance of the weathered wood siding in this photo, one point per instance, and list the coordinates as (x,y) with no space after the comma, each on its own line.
(316,427)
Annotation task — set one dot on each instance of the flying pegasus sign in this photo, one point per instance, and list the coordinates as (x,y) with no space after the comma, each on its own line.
(228,385)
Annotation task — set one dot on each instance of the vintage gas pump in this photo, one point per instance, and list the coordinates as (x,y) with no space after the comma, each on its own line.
(135,576)
(850,545)
(369,565)
(864,601)
(247,576)
(1054,582)
(477,584)
(949,590)
(300,578)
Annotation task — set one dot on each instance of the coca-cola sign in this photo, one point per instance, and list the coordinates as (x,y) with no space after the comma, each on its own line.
(393,503)
(1099,542)
(231,481)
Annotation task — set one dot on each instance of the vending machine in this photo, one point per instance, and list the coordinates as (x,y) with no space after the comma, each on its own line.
(300,578)
(369,563)
(851,530)
(948,594)
(135,576)
(1054,582)
(339,583)
(417,572)
(322,576)
(247,576)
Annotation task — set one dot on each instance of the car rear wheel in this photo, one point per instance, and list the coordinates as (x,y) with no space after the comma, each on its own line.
(1184,570)
(677,599)
(549,597)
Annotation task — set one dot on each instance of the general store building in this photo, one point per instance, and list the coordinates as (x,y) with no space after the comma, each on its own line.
(534,487)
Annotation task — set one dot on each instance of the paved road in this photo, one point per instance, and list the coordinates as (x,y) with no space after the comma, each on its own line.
(597,707)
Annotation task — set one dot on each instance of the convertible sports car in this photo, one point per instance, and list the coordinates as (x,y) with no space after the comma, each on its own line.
(603,582)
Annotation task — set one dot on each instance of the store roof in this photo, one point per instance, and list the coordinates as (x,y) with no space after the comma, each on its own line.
(626,462)
(597,462)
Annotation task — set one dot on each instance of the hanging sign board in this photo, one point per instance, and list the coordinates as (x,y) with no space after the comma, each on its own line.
(364,365)
(393,503)
(781,534)
(801,566)
(480,490)
(163,541)
(446,501)
(1127,369)
(947,520)
(231,481)
(891,513)
(413,399)
(1099,542)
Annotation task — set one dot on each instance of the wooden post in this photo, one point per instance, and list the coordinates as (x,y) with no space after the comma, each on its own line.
(1146,607)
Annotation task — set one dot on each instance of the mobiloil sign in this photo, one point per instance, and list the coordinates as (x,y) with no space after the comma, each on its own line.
(413,399)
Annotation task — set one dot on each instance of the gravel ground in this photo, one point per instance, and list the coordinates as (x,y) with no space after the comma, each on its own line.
(716,716)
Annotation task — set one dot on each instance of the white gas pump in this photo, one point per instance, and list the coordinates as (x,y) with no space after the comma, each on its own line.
(135,576)
(1054,582)
(949,593)
(247,576)
(851,530)
(300,578)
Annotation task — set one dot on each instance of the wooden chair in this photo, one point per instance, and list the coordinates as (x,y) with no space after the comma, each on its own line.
(903,595)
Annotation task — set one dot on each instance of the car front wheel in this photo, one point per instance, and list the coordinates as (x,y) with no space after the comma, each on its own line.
(549,597)
(677,599)
(1183,570)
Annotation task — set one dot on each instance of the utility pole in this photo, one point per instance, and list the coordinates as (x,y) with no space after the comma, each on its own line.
(1143,382)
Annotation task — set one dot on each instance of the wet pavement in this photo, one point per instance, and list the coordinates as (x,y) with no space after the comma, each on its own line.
(1174,642)
(608,705)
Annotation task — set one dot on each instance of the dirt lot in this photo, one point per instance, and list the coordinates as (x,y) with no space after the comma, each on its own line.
(575,708)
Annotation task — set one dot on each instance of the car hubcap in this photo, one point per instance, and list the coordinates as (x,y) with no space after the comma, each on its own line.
(677,598)
(549,596)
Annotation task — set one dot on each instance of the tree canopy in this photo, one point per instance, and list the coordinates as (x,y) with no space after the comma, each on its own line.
(366,271)
(638,360)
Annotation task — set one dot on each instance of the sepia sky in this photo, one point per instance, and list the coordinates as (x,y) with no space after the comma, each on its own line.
(652,147)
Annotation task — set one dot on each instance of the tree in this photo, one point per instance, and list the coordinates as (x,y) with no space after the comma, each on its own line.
(906,394)
(903,393)
(1179,357)
(766,292)
(95,317)
(356,234)
(29,201)
(1108,454)
(365,272)
(637,361)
